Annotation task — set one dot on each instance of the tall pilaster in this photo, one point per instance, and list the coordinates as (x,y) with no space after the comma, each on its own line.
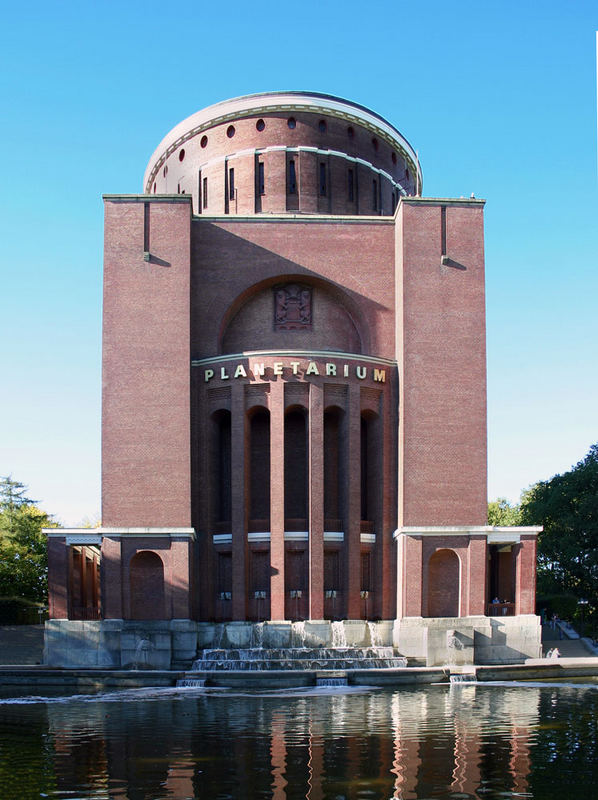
(238,502)
(316,501)
(353,515)
(277,587)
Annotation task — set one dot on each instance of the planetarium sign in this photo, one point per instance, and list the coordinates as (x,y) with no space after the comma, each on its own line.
(293,366)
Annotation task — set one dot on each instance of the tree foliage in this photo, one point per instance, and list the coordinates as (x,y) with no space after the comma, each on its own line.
(567,507)
(501,513)
(23,547)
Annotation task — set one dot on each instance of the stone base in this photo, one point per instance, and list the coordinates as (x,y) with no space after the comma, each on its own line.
(117,643)
(468,640)
(173,644)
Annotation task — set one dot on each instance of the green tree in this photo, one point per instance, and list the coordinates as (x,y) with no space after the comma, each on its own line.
(23,547)
(501,513)
(567,507)
(12,498)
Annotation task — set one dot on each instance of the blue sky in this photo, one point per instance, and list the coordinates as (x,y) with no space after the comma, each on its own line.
(499,98)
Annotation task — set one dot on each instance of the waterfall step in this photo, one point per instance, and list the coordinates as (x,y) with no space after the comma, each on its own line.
(298,658)
(191,683)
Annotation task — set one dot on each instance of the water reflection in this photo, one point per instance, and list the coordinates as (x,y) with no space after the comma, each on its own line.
(468,741)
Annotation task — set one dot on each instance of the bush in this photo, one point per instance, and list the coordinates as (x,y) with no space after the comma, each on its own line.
(21,611)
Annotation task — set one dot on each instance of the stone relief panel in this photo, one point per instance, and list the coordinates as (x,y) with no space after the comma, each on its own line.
(292,307)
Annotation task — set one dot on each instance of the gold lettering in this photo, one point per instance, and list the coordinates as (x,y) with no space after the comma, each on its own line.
(330,369)
(361,372)
(277,367)
(240,372)
(312,369)
(208,374)
(380,375)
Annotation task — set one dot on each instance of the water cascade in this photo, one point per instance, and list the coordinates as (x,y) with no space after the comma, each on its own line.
(464,677)
(191,683)
(335,680)
(298,658)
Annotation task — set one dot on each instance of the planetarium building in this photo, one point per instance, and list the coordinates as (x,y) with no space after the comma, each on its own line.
(294,404)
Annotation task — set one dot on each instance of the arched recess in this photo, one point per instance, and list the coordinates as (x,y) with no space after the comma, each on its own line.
(443,584)
(370,469)
(295,468)
(336,320)
(259,469)
(334,469)
(146,580)
(220,459)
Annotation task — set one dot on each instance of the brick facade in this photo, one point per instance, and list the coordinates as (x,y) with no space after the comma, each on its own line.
(293,373)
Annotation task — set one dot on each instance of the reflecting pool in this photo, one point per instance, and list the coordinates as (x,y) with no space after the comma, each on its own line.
(462,741)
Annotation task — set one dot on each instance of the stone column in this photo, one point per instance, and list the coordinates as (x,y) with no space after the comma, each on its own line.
(525,573)
(58,577)
(180,574)
(111,571)
(353,512)
(238,501)
(277,587)
(477,560)
(316,501)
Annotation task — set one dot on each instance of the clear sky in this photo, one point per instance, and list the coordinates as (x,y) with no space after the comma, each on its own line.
(498,97)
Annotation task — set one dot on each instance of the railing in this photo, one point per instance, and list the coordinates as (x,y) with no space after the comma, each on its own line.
(501,609)
(84,613)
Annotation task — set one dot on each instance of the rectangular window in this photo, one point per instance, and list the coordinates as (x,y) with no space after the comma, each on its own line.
(350,186)
(375,195)
(292,177)
(205,193)
(260,178)
(322,178)
(231,184)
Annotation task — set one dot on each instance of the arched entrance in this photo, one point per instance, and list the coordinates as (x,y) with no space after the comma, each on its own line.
(146,578)
(443,584)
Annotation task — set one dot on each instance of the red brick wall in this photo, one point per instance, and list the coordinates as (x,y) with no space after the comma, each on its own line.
(146,387)
(234,259)
(176,174)
(442,359)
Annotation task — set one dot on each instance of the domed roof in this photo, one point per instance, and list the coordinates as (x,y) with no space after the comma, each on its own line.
(272,102)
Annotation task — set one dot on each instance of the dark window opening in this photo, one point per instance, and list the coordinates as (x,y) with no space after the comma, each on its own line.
(182,154)
(375,143)
(204,141)
(323,179)
(260,125)
(350,132)
(292,123)
(260,178)
(322,126)
(205,193)
(292,177)
(231,184)
(230,131)
(351,186)
(375,195)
